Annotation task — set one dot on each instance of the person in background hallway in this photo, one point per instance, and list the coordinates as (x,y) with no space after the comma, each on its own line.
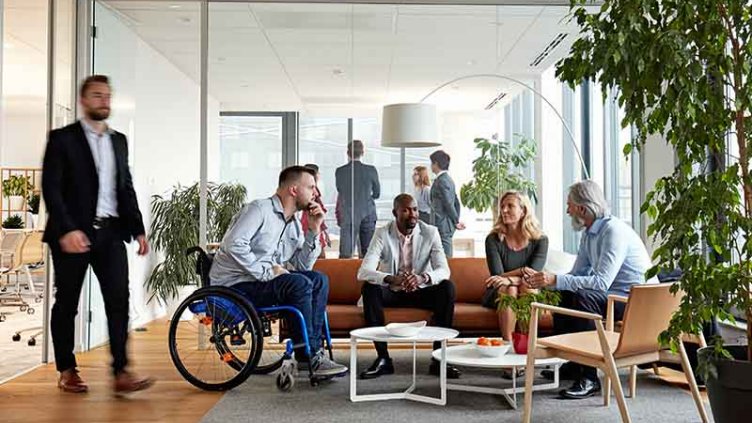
(323,235)
(445,206)
(515,248)
(357,187)
(611,259)
(92,207)
(422,183)
(406,267)
(264,240)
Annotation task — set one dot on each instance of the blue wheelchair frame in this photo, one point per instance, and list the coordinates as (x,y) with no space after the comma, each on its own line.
(202,269)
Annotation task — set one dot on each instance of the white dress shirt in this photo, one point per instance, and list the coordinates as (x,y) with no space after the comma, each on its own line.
(104,161)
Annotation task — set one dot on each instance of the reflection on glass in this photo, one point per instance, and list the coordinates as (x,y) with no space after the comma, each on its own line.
(250,151)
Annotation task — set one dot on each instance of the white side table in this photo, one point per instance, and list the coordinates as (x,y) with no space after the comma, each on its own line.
(467,356)
(379,334)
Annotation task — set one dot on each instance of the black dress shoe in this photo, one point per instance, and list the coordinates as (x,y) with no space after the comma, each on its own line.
(451,371)
(582,388)
(567,371)
(381,366)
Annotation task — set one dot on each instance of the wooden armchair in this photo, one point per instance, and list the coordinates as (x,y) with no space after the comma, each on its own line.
(648,312)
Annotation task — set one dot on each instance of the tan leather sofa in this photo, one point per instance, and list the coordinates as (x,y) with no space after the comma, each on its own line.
(470,318)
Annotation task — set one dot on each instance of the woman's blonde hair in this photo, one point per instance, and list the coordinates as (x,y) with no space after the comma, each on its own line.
(423,179)
(530,226)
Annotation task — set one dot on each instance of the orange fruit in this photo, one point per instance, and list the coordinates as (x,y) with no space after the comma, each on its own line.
(496,343)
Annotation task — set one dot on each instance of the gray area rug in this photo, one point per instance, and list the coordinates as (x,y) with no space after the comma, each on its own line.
(258,400)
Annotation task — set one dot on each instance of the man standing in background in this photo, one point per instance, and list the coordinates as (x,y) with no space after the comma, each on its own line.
(357,187)
(445,206)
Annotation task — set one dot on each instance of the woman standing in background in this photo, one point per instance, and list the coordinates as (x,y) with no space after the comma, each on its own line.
(422,192)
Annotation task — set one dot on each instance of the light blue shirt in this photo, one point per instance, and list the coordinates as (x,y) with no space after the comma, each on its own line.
(258,238)
(611,258)
(104,161)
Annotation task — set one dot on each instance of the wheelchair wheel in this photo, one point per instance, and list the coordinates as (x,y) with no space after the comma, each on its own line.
(273,355)
(220,345)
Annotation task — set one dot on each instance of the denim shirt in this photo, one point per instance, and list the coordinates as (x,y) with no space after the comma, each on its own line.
(611,259)
(258,238)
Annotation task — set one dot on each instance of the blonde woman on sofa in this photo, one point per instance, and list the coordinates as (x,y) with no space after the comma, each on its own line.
(515,248)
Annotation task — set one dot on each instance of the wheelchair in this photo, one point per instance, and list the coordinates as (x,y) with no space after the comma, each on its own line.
(218,339)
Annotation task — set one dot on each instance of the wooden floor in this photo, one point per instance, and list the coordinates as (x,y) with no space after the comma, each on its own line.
(34,397)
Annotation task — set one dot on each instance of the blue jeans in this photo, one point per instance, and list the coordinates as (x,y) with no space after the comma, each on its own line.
(307,291)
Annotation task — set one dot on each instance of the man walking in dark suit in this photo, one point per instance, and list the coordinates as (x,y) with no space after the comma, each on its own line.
(92,207)
(445,206)
(357,187)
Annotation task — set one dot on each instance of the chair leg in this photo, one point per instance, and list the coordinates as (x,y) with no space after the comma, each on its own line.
(655,369)
(632,381)
(606,390)
(692,383)
(613,374)
(529,375)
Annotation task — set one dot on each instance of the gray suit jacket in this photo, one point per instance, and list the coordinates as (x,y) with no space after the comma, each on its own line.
(382,258)
(445,206)
(357,186)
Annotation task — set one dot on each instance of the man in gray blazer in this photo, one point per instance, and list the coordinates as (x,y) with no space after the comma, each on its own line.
(357,187)
(406,267)
(445,206)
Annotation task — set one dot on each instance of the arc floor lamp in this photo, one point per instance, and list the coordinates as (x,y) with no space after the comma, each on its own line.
(415,125)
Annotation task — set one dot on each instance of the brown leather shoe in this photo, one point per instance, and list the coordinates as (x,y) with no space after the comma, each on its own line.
(70,381)
(126,382)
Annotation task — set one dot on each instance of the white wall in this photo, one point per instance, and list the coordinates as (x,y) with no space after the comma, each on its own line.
(157,107)
(656,161)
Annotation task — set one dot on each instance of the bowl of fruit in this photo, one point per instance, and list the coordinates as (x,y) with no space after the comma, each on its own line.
(492,347)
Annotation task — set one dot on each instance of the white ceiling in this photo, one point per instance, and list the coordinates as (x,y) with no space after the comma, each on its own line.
(324,59)
(350,58)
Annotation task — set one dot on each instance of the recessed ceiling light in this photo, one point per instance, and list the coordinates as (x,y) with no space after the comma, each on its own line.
(338,72)
(175,6)
(221,59)
(185,19)
(471,62)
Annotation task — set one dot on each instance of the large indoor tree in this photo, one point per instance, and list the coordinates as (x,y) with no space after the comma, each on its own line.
(682,71)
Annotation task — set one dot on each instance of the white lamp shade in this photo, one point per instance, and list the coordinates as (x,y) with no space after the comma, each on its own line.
(409,125)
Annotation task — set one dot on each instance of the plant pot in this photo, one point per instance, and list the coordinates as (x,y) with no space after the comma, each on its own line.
(730,393)
(519,341)
(16,202)
(34,221)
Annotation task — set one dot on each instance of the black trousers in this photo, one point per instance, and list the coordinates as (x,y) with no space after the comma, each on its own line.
(108,259)
(437,298)
(588,301)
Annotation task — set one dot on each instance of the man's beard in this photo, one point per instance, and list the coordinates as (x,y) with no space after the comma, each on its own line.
(578,223)
(411,224)
(99,114)
(302,206)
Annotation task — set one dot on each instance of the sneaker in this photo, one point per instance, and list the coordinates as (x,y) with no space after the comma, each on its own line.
(323,366)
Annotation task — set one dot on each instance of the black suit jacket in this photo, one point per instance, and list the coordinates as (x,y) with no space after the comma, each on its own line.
(70,185)
(358,186)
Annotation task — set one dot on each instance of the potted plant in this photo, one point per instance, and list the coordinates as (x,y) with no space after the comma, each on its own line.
(175,228)
(13,222)
(682,71)
(16,188)
(521,307)
(496,170)
(33,205)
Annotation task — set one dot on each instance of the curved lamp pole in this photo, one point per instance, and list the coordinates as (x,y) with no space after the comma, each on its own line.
(536,92)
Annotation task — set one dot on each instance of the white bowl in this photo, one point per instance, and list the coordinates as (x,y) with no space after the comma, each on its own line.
(492,351)
(405,329)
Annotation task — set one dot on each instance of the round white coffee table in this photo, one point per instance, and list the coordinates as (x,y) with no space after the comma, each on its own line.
(467,356)
(379,334)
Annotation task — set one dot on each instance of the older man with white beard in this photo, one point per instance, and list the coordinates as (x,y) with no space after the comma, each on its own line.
(611,259)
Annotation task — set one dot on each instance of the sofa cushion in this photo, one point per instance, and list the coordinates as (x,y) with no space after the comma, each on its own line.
(469,275)
(344,287)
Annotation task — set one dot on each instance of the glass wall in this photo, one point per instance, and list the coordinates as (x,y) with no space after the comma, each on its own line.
(155,103)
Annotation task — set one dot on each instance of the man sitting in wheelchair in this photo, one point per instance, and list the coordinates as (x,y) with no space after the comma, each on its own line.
(264,237)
